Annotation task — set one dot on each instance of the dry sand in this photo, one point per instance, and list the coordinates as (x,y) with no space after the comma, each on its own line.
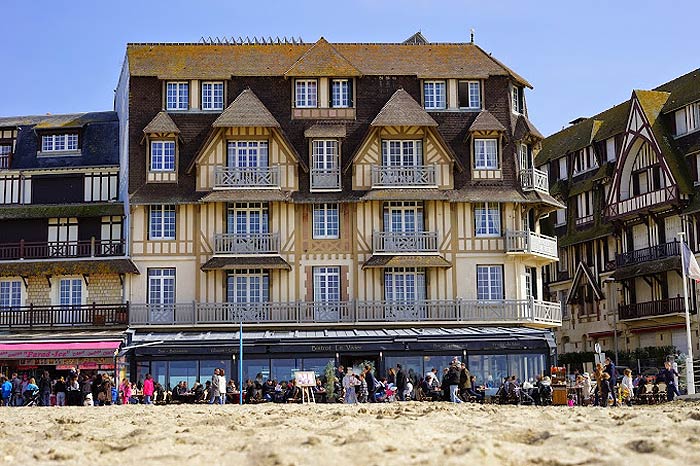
(359,435)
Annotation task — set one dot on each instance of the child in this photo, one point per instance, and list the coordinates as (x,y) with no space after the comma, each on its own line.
(604,389)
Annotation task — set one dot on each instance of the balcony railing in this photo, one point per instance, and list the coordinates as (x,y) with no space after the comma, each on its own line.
(247,177)
(534,179)
(531,243)
(247,243)
(405,242)
(88,315)
(410,176)
(60,250)
(660,251)
(526,311)
(642,201)
(325,179)
(653,308)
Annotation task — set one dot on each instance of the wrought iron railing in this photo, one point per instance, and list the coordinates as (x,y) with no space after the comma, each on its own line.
(653,308)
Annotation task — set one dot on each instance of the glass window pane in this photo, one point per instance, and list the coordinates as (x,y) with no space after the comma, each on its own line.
(182,371)
(254,368)
(284,369)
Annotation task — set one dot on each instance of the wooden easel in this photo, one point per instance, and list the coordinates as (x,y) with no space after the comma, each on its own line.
(308,394)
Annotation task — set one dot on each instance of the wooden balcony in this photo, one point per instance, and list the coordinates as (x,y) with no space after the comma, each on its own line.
(415,242)
(533,179)
(652,253)
(525,311)
(653,308)
(529,242)
(246,177)
(642,202)
(325,179)
(59,250)
(88,315)
(247,243)
(418,176)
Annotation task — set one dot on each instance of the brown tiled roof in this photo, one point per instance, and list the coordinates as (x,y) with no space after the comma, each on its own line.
(383,261)
(485,121)
(407,194)
(522,127)
(161,123)
(470,193)
(192,61)
(247,195)
(246,111)
(233,263)
(322,59)
(322,130)
(67,267)
(402,110)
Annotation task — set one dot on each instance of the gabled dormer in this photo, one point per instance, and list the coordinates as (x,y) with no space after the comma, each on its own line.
(485,139)
(161,138)
(403,149)
(247,149)
(323,84)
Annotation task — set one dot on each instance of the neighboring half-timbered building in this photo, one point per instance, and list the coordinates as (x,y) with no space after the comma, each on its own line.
(63,252)
(345,201)
(628,176)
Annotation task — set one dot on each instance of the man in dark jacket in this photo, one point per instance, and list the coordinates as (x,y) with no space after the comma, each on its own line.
(612,370)
(400,382)
(45,389)
(667,375)
(371,383)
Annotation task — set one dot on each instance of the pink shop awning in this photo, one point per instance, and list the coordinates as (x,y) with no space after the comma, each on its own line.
(59,349)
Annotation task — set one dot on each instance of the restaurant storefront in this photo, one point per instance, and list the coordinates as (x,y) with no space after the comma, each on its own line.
(490,352)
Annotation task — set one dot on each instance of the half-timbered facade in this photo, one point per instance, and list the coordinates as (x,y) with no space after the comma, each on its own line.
(348,201)
(628,177)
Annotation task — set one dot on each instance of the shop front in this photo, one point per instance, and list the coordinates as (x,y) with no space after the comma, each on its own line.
(491,353)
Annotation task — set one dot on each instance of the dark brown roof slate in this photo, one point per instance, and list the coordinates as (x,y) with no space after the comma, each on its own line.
(246,111)
(233,263)
(684,90)
(161,123)
(247,195)
(322,59)
(325,130)
(385,261)
(485,121)
(523,127)
(402,110)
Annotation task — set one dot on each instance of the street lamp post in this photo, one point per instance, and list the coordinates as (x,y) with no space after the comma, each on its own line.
(606,281)
(690,375)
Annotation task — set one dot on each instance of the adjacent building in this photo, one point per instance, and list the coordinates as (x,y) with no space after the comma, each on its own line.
(629,178)
(344,201)
(63,257)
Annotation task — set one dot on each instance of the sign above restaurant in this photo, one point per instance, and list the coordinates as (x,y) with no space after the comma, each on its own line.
(64,361)
(59,350)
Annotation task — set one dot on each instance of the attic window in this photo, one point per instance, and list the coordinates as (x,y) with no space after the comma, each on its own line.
(59,142)
(518,99)
(434,95)
(177,95)
(5,150)
(306,93)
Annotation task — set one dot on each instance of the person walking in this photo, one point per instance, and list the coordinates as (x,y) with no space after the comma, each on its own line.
(453,380)
(125,390)
(148,389)
(668,375)
(612,371)
(349,386)
(59,389)
(401,380)
(371,383)
(45,389)
(627,388)
(214,388)
(5,390)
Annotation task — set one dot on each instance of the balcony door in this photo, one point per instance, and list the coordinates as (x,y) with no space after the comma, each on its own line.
(325,173)
(247,154)
(402,153)
(326,294)
(401,221)
(247,290)
(63,237)
(161,295)
(247,218)
(525,157)
(404,293)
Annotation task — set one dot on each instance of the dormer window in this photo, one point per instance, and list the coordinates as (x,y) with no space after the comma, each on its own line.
(341,93)
(59,142)
(518,99)
(687,119)
(486,154)
(177,95)
(5,151)
(213,95)
(306,93)
(162,156)
(434,95)
(469,95)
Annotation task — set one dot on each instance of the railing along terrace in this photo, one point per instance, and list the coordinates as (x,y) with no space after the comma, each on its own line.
(531,242)
(534,179)
(247,177)
(325,179)
(246,243)
(642,201)
(408,176)
(62,249)
(65,316)
(405,242)
(652,308)
(660,251)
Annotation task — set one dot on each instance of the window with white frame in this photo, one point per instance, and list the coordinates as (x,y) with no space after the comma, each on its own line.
(162,156)
(212,95)
(688,119)
(404,284)
(326,221)
(161,225)
(489,282)
(403,217)
(402,153)
(528,282)
(584,207)
(584,160)
(5,150)
(247,218)
(560,217)
(525,156)
(161,286)
(247,154)
(325,154)
(563,172)
(63,235)
(610,153)
(487,219)
(517,99)
(341,93)
(248,286)
(10,294)
(70,292)
(59,142)
(469,94)
(326,284)
(486,154)
(434,95)
(177,95)
(306,93)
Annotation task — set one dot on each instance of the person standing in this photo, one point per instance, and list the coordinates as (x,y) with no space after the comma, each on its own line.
(401,380)
(453,381)
(465,382)
(59,389)
(45,389)
(16,399)
(371,383)
(5,390)
(148,389)
(627,387)
(668,375)
(214,388)
(604,389)
(125,390)
(349,386)
(222,386)
(612,371)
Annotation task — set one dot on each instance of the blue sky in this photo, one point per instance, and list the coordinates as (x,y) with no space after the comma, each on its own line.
(582,57)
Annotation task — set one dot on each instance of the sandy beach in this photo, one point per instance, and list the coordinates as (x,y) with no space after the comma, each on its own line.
(387,434)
